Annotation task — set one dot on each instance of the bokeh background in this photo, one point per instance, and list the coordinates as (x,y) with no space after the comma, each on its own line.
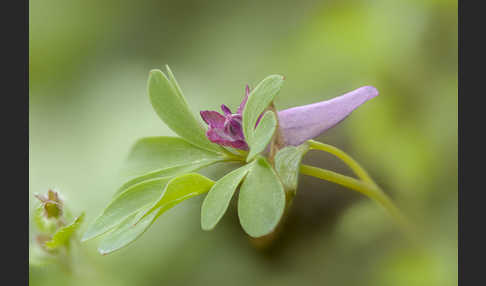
(89,62)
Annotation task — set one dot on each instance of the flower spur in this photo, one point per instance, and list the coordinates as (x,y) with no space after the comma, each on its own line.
(297,124)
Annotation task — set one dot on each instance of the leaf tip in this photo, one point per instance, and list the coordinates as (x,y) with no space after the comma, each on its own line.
(207,227)
(103,252)
(153,71)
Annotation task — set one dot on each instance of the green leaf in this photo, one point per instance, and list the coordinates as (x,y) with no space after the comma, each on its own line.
(287,164)
(263,134)
(217,200)
(179,189)
(174,83)
(258,101)
(261,202)
(63,235)
(164,173)
(157,154)
(126,232)
(170,105)
(176,191)
(128,202)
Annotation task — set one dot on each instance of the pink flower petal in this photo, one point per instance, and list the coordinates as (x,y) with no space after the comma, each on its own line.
(213,118)
(226,110)
(245,99)
(219,136)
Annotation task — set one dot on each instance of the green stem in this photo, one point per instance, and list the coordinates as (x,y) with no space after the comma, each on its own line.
(370,190)
(366,186)
(357,169)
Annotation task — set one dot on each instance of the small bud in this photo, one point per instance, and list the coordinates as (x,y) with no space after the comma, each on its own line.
(51,203)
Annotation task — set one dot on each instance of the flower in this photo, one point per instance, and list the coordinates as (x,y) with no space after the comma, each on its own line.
(301,123)
(226,129)
(296,124)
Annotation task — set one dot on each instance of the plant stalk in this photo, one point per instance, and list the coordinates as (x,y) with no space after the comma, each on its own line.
(365,188)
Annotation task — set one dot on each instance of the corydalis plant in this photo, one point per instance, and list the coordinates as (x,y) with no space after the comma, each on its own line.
(270,144)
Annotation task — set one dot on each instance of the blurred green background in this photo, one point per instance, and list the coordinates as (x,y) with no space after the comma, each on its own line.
(89,62)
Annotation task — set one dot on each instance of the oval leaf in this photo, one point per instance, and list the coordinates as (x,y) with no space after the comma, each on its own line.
(63,235)
(263,134)
(179,189)
(287,164)
(165,173)
(130,201)
(153,154)
(258,101)
(261,202)
(126,232)
(174,82)
(217,200)
(170,105)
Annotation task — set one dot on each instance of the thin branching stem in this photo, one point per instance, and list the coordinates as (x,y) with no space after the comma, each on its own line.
(364,184)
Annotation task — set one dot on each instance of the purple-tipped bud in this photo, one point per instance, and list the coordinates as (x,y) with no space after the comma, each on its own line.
(297,124)
(301,123)
(226,129)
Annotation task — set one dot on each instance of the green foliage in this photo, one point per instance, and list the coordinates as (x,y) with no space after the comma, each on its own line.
(133,226)
(408,138)
(169,103)
(128,202)
(166,173)
(53,238)
(263,134)
(217,200)
(287,163)
(261,202)
(179,189)
(154,154)
(161,157)
(62,237)
(126,232)
(258,100)
(158,169)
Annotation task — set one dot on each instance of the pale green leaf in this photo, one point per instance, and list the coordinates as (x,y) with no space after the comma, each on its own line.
(263,134)
(164,173)
(174,82)
(170,105)
(261,201)
(63,235)
(287,164)
(128,202)
(126,232)
(156,154)
(217,200)
(179,189)
(258,100)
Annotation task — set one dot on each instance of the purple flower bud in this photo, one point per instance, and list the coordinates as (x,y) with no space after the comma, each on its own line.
(226,129)
(297,124)
(301,123)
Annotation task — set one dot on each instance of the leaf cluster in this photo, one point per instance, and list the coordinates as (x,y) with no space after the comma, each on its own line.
(161,171)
